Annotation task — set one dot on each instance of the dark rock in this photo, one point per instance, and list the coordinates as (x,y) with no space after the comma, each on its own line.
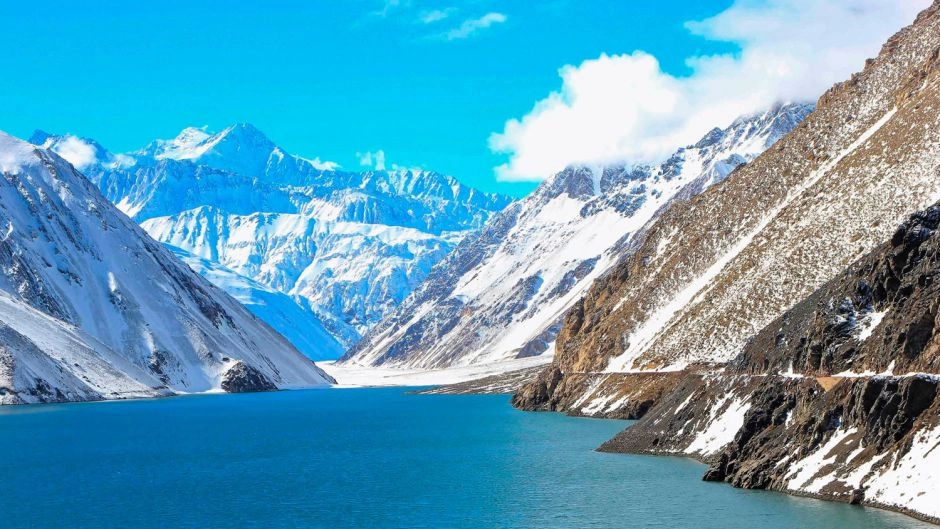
(243,378)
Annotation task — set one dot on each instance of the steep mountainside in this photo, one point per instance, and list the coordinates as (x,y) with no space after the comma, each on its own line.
(293,318)
(93,308)
(345,246)
(714,270)
(501,294)
(837,397)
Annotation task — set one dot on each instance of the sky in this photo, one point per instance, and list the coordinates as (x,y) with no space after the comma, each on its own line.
(500,94)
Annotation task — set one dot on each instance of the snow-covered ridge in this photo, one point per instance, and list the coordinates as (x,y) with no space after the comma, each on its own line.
(346,247)
(501,294)
(93,308)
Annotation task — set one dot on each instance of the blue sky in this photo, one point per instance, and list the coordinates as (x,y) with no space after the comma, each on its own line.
(427,82)
(321,78)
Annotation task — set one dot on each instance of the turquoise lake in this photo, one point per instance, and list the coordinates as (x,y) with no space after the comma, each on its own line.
(361,458)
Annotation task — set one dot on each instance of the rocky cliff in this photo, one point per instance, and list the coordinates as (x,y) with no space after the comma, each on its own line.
(836,398)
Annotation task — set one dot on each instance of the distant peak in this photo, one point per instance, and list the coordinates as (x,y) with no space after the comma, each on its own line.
(245,131)
(192,135)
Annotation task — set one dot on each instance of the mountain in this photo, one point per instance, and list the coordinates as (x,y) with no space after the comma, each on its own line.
(742,333)
(293,318)
(93,308)
(836,396)
(501,294)
(347,247)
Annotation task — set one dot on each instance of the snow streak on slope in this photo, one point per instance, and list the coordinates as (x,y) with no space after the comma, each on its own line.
(687,297)
(502,294)
(346,246)
(94,308)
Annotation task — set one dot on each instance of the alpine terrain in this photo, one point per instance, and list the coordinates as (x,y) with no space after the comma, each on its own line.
(780,325)
(336,250)
(502,293)
(92,308)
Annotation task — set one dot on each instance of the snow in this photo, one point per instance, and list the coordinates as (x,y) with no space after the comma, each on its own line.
(541,255)
(351,246)
(725,419)
(911,482)
(14,154)
(112,303)
(697,287)
(907,481)
(685,403)
(869,324)
(353,376)
(346,246)
(293,319)
(803,475)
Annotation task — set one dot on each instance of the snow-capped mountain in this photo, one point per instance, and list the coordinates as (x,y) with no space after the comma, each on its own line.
(346,247)
(93,308)
(502,293)
(781,325)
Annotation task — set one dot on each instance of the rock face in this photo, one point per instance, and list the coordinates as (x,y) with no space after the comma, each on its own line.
(501,294)
(714,270)
(242,378)
(92,308)
(346,247)
(837,397)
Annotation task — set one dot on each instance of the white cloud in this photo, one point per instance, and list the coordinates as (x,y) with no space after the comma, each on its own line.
(473,25)
(435,15)
(625,108)
(75,151)
(388,6)
(375,160)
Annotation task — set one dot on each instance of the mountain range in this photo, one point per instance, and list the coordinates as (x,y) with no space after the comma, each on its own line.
(93,308)
(339,248)
(763,300)
(502,293)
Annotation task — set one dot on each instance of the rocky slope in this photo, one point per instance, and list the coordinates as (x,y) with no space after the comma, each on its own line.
(92,308)
(502,293)
(345,246)
(837,397)
(714,270)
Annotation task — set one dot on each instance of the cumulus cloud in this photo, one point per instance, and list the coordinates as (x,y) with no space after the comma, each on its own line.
(626,108)
(373,159)
(472,26)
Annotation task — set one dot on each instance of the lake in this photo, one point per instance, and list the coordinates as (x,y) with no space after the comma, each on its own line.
(369,458)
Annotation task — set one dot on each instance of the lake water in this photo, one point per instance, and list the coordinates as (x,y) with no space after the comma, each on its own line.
(360,458)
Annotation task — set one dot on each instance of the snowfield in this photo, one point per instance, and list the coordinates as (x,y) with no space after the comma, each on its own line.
(93,308)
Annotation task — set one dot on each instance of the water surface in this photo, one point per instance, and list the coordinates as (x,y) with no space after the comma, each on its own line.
(361,458)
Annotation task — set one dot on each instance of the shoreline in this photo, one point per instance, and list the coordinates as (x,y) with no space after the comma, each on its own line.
(797,493)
